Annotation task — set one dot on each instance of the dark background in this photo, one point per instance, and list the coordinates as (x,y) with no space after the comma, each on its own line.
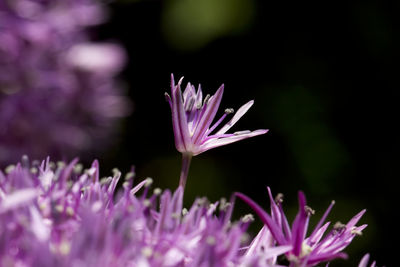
(325,82)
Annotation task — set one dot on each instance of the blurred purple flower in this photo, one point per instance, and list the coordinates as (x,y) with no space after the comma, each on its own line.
(58,94)
(311,250)
(59,214)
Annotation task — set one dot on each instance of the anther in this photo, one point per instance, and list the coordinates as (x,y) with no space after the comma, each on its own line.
(149,182)
(309,210)
(157,191)
(184,211)
(229,111)
(129,175)
(206,99)
(224,206)
(211,240)
(279,198)
(78,168)
(147,252)
(339,226)
(60,164)
(356,232)
(9,169)
(247,218)
(34,170)
(115,171)
(146,203)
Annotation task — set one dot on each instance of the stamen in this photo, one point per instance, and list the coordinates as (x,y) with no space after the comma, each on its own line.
(78,168)
(184,211)
(279,198)
(247,218)
(9,169)
(339,226)
(149,182)
(309,210)
(60,164)
(157,191)
(129,175)
(354,231)
(115,172)
(147,252)
(208,96)
(211,240)
(229,111)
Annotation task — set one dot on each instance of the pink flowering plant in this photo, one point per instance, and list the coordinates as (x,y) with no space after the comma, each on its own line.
(62,214)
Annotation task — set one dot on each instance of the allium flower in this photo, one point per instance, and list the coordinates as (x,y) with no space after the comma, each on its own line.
(311,250)
(192,119)
(57,90)
(58,215)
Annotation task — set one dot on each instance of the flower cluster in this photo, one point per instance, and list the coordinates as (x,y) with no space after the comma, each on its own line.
(58,213)
(58,95)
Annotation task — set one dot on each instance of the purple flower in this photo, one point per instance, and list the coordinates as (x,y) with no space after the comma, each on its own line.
(59,214)
(192,119)
(58,94)
(311,250)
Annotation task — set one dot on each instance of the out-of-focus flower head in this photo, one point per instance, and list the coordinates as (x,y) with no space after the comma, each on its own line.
(192,118)
(305,251)
(58,94)
(59,214)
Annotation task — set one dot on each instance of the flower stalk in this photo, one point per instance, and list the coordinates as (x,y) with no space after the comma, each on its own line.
(186,159)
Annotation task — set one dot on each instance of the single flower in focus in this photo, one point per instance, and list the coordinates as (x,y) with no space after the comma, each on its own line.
(317,247)
(192,118)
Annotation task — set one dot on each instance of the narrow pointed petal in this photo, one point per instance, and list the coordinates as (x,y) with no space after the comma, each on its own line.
(265,218)
(299,225)
(322,220)
(274,209)
(179,121)
(364,261)
(355,219)
(17,199)
(208,115)
(276,251)
(241,111)
(213,143)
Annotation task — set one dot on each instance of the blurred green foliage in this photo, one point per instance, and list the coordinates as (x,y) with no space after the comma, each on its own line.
(191,24)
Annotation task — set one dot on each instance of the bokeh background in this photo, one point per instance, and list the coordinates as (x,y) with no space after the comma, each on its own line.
(324,77)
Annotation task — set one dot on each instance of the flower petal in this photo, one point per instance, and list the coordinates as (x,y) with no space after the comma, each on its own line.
(213,143)
(241,111)
(207,117)
(179,121)
(265,218)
